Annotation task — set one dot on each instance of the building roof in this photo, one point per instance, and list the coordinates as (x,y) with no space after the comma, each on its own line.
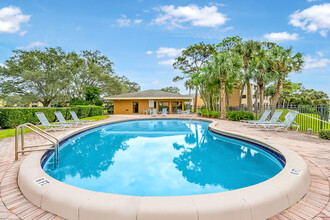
(148,94)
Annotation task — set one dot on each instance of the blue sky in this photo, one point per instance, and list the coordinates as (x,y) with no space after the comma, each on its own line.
(142,37)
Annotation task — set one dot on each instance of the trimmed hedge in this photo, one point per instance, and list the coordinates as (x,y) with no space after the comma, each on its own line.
(209,114)
(11,117)
(324,134)
(240,115)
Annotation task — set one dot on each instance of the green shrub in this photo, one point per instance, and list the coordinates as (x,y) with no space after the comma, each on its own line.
(239,115)
(324,134)
(214,114)
(209,114)
(11,117)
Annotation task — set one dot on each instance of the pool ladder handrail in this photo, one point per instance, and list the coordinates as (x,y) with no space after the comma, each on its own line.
(54,141)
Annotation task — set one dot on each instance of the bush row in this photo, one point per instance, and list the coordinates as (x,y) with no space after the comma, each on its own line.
(239,115)
(324,134)
(209,114)
(231,115)
(11,117)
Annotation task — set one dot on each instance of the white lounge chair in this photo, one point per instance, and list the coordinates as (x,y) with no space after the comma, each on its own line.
(273,120)
(164,112)
(289,120)
(44,122)
(76,119)
(62,120)
(263,118)
(154,112)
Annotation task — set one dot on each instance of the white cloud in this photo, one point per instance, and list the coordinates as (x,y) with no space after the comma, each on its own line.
(207,16)
(2,65)
(168,52)
(149,52)
(227,29)
(123,21)
(311,63)
(167,62)
(11,18)
(315,18)
(138,21)
(22,33)
(156,82)
(281,37)
(319,53)
(33,45)
(312,0)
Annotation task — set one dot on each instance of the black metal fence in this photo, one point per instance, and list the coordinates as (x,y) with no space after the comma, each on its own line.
(311,118)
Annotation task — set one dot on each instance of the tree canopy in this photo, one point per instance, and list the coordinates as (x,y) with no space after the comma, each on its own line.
(171,89)
(55,76)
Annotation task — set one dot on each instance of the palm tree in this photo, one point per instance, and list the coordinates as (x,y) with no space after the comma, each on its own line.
(225,65)
(284,63)
(260,68)
(247,50)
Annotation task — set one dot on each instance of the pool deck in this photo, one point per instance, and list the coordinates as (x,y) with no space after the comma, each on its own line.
(315,151)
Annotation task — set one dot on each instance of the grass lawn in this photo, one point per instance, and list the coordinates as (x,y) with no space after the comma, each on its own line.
(11,132)
(306,122)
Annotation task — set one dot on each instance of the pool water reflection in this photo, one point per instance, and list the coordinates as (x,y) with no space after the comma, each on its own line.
(160,158)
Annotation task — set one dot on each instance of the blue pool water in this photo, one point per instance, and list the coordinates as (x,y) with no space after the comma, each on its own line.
(160,158)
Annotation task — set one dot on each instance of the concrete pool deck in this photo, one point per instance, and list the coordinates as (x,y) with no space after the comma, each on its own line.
(316,153)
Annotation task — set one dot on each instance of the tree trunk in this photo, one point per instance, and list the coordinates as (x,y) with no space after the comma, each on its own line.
(223,98)
(248,96)
(46,103)
(241,95)
(261,97)
(195,101)
(256,99)
(278,91)
(189,90)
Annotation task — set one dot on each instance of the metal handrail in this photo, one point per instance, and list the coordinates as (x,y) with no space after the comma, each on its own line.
(54,141)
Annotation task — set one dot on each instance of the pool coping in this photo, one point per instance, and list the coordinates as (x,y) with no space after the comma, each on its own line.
(259,201)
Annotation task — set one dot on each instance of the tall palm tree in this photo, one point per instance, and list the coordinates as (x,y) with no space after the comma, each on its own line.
(247,50)
(260,68)
(284,63)
(225,65)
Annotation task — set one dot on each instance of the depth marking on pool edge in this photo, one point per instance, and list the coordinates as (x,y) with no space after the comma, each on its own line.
(295,172)
(41,181)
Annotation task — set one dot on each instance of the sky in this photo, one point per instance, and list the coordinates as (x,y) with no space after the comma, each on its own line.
(143,37)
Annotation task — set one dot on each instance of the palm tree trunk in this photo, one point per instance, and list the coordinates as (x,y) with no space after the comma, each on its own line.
(189,90)
(248,96)
(195,101)
(278,91)
(223,98)
(256,100)
(241,95)
(261,97)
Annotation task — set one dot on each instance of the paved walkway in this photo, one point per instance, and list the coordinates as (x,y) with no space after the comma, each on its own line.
(315,151)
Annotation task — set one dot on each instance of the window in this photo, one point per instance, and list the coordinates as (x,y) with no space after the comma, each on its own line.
(162,105)
(243,96)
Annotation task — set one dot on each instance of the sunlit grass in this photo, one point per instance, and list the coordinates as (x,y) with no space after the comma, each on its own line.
(11,132)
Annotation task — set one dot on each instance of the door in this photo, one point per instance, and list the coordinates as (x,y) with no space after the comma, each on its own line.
(135,108)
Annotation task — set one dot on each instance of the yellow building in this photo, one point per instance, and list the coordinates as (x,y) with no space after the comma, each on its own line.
(234,98)
(140,102)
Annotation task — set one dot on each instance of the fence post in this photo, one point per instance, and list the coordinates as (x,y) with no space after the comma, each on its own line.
(321,127)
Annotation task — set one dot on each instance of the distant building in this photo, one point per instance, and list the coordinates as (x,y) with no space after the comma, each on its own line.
(234,98)
(37,104)
(140,102)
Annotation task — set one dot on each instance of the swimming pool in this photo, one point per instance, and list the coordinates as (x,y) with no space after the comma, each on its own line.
(161,157)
